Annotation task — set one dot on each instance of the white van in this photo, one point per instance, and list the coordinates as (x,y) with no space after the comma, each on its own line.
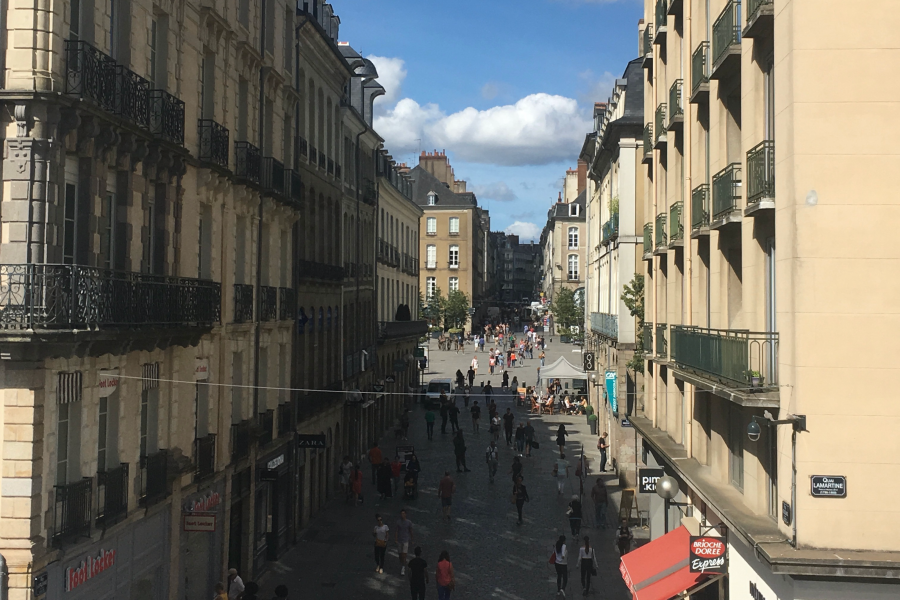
(434,389)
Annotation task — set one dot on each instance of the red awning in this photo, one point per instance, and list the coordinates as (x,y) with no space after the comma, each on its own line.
(660,570)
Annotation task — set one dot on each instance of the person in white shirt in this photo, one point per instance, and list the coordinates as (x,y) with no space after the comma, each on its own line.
(561,471)
(235,585)
(587,560)
(561,562)
(380,533)
(475,365)
(491,456)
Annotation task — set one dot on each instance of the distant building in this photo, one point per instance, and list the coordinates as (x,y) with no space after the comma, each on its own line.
(516,270)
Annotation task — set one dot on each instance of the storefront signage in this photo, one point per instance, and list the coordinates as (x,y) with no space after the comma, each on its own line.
(39,584)
(611,391)
(89,568)
(828,486)
(707,555)
(626,423)
(205,503)
(785,512)
(108,383)
(390,379)
(201,369)
(647,479)
(755,594)
(399,365)
(275,462)
(311,441)
(198,522)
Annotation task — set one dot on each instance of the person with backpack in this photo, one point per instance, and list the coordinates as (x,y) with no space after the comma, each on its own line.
(588,562)
(519,497)
(574,513)
(492,458)
(623,538)
(560,559)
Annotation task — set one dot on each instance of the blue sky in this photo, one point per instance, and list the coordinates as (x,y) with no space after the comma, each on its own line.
(505,87)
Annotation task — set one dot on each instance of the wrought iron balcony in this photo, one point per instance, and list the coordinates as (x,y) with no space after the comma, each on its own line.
(760,16)
(736,358)
(648,142)
(74,297)
(700,207)
(647,42)
(331,166)
(214,144)
(661,345)
(726,191)
(240,441)
(72,509)
(676,108)
(661,21)
(700,72)
(287,304)
(369,192)
(660,125)
(272,176)
(321,160)
(315,270)
(726,39)
(266,423)
(605,324)
(761,174)
(90,74)
(302,146)
(243,303)
(247,162)
(350,270)
(401,329)
(132,97)
(205,456)
(112,495)
(337,171)
(293,184)
(268,303)
(154,477)
(647,334)
(167,116)
(610,229)
(313,155)
(676,225)
(648,238)
(660,229)
(285,419)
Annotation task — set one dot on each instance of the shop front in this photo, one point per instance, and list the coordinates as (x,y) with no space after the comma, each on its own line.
(274,513)
(133,563)
(202,539)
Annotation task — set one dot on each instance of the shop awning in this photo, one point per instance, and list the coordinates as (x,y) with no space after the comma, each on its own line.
(660,570)
(561,369)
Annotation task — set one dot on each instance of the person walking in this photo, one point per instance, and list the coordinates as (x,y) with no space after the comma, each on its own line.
(492,458)
(574,513)
(403,535)
(561,434)
(444,576)
(235,585)
(491,363)
(561,562)
(446,489)
(476,415)
(375,459)
(380,533)
(466,394)
(587,560)
(453,412)
(505,380)
(345,470)
(602,446)
(459,449)
(470,374)
(459,378)
(495,427)
(429,423)
(529,439)
(600,497)
(520,496)
(356,478)
(220,592)
(445,412)
(623,538)
(418,575)
(561,472)
(520,438)
(404,423)
(516,468)
(508,420)
(474,366)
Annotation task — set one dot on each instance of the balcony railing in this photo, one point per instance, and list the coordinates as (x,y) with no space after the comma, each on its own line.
(726,190)
(268,303)
(761,173)
(132,97)
(754,6)
(676,108)
(112,495)
(321,160)
(337,171)
(369,192)
(661,20)
(661,345)
(737,358)
(313,155)
(247,162)
(700,66)
(72,511)
(700,207)
(676,225)
(285,419)
(214,144)
(302,146)
(401,329)
(331,166)
(294,187)
(726,30)
(287,304)
(660,229)
(315,270)
(610,229)
(647,334)
(205,456)
(647,40)
(648,140)
(272,176)
(68,297)
(167,116)
(660,124)
(154,477)
(240,441)
(90,74)
(648,237)
(266,422)
(573,275)
(605,324)
(243,303)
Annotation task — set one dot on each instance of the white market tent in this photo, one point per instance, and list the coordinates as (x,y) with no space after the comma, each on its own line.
(562,369)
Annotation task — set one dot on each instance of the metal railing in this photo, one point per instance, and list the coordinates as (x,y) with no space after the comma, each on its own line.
(293,184)
(648,237)
(205,456)
(754,5)
(112,495)
(285,419)
(243,303)
(214,144)
(737,358)
(247,162)
(313,155)
(308,269)
(90,74)
(662,8)
(661,343)
(369,192)
(605,324)
(132,97)
(761,172)
(266,423)
(268,303)
(321,160)
(676,108)
(400,329)
(67,297)
(302,146)
(660,121)
(287,303)
(272,176)
(647,334)
(167,116)
(660,229)
(700,207)
(331,166)
(648,139)
(337,171)
(154,477)
(676,225)
(647,45)
(72,511)
(726,190)
(726,30)
(610,229)
(240,440)
(700,66)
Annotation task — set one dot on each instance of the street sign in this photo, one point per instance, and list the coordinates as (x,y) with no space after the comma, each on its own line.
(378,388)
(785,512)
(626,423)
(311,441)
(399,365)
(647,479)
(390,379)
(195,522)
(590,361)
(40,584)
(419,352)
(828,486)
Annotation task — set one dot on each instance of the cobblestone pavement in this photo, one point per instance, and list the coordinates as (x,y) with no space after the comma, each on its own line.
(493,557)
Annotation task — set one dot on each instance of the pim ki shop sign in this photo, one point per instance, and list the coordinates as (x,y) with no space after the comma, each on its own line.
(707,555)
(828,486)
(90,567)
(648,479)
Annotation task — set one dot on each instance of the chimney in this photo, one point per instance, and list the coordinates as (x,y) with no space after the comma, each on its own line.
(582,175)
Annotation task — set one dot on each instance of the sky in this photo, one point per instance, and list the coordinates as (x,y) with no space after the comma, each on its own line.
(505,87)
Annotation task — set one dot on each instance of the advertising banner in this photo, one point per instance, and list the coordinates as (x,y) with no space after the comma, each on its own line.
(611,391)
(707,555)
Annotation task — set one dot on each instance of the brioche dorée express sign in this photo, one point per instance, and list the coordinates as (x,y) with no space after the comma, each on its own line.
(89,568)
(707,555)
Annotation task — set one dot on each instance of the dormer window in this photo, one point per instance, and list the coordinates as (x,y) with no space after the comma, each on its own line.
(573,210)
(432,198)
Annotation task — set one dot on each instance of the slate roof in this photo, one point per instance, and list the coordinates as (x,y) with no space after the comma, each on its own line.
(424,183)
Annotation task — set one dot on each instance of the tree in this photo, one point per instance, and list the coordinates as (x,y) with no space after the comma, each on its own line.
(633,297)
(565,309)
(456,310)
(434,309)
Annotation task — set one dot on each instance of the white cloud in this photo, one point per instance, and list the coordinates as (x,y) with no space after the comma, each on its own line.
(595,88)
(490,90)
(497,190)
(402,126)
(526,231)
(391,74)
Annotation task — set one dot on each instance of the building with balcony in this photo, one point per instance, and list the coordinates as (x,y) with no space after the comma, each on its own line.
(614,221)
(515,271)
(741,284)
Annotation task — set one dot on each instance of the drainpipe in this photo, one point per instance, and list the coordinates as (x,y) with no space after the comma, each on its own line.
(4,578)
(259,224)
(687,216)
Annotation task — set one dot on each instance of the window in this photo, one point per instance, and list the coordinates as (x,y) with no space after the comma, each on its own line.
(454,284)
(149,420)
(431,257)
(573,266)
(269,35)
(242,108)
(75,20)
(208,86)
(432,198)
(454,225)
(573,238)
(159,35)
(107,437)
(573,210)
(237,380)
(204,243)
(454,256)
(736,433)
(288,41)
(431,226)
(113,49)
(70,211)
(109,238)
(244,13)
(430,287)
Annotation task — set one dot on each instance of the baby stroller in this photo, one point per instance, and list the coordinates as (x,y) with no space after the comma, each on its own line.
(410,486)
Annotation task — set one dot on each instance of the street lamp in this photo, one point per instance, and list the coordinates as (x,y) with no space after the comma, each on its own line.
(667,488)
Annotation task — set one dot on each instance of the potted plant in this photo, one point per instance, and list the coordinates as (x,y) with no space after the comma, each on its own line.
(592,421)
(589,412)
(756,378)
